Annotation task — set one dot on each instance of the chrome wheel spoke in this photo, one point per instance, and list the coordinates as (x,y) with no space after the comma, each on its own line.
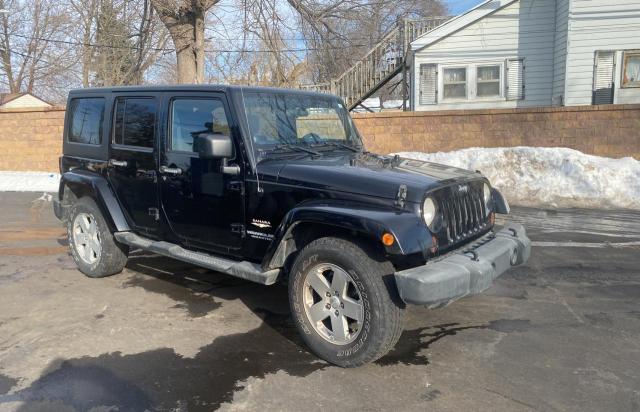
(339,282)
(339,327)
(84,223)
(352,309)
(94,245)
(88,253)
(319,283)
(318,312)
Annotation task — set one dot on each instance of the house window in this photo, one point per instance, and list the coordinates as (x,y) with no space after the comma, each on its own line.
(488,81)
(455,82)
(631,69)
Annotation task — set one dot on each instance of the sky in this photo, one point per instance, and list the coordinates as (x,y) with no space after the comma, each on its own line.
(460,6)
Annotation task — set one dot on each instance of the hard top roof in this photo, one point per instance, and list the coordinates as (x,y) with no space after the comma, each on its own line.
(192,88)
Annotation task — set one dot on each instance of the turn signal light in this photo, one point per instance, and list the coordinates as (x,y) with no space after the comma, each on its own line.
(434,245)
(388,239)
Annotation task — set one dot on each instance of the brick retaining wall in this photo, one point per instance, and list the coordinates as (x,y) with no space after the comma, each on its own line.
(607,130)
(31,139)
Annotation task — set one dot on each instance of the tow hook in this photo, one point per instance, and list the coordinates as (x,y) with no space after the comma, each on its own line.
(473,253)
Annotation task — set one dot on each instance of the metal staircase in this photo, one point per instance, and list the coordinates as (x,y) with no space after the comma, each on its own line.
(382,63)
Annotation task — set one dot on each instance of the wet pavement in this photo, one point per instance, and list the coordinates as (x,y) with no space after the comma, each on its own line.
(560,333)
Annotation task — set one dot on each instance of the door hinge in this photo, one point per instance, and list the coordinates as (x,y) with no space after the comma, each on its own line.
(155,212)
(238,228)
(237,186)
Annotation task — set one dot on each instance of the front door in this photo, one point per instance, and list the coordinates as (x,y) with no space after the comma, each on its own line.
(132,160)
(203,205)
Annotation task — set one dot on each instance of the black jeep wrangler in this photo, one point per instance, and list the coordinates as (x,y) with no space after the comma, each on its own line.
(274,185)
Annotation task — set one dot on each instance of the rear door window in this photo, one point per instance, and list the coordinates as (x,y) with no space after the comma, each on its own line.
(135,120)
(86,116)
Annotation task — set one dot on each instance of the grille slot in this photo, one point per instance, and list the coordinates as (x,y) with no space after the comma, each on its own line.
(464,214)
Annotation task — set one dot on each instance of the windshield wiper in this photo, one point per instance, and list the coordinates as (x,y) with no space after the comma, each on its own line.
(296,148)
(337,144)
(287,147)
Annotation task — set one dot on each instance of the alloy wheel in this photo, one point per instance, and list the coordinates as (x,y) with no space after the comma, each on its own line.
(333,303)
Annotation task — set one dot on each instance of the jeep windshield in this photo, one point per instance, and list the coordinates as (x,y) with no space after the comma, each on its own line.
(281,123)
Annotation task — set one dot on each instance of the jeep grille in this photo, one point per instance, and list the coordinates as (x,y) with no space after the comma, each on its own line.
(464,213)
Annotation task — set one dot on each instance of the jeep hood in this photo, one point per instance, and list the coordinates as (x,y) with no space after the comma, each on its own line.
(365,174)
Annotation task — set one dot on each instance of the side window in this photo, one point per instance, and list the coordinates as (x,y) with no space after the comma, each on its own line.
(455,83)
(135,120)
(85,120)
(488,81)
(192,117)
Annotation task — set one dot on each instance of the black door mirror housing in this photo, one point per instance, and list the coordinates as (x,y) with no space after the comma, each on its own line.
(214,146)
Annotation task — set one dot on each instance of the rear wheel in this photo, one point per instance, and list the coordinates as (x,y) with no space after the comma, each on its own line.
(92,245)
(344,309)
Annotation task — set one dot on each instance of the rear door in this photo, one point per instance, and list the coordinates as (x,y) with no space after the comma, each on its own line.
(132,161)
(204,207)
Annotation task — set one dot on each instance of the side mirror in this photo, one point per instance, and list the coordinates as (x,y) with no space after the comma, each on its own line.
(214,146)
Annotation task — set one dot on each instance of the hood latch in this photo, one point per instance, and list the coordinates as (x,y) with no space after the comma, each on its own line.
(401,197)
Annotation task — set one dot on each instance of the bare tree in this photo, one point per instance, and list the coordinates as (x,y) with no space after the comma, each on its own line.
(185,21)
(27,55)
(118,41)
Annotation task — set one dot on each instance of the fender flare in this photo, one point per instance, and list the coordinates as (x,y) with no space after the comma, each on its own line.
(96,186)
(499,202)
(410,232)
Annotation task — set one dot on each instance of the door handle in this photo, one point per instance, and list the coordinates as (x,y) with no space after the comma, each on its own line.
(170,170)
(118,163)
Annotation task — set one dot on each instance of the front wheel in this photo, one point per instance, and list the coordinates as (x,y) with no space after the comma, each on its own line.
(342,302)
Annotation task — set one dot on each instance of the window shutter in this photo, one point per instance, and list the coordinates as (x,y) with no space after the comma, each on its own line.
(603,71)
(428,89)
(515,79)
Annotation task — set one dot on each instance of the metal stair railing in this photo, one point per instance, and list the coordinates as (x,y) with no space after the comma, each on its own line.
(382,63)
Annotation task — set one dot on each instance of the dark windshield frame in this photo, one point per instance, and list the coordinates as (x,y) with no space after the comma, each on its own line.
(278,103)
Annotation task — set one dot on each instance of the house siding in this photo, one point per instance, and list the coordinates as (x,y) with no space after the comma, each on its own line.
(560,51)
(599,25)
(523,29)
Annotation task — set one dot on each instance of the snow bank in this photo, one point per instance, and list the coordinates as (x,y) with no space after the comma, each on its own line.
(527,176)
(29,181)
(550,177)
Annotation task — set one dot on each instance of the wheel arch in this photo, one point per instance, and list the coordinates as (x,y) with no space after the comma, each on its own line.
(309,222)
(76,184)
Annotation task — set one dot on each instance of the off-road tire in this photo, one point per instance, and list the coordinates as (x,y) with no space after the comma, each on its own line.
(113,256)
(383,310)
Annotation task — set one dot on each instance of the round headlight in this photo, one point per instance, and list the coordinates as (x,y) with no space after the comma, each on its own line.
(428,211)
(486,193)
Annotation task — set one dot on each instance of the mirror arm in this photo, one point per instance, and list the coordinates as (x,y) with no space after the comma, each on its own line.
(229,170)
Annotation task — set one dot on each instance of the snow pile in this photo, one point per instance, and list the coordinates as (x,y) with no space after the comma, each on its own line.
(550,177)
(29,181)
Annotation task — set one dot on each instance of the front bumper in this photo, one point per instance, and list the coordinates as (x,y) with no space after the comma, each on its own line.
(467,271)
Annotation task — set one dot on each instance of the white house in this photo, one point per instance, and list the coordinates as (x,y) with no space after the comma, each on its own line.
(20,101)
(523,53)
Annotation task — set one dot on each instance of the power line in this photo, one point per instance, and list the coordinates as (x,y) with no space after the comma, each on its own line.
(308,49)
(168,49)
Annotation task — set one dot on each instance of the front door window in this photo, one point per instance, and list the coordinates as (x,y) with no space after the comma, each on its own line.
(192,117)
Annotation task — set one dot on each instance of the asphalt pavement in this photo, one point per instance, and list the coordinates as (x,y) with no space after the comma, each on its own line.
(559,333)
